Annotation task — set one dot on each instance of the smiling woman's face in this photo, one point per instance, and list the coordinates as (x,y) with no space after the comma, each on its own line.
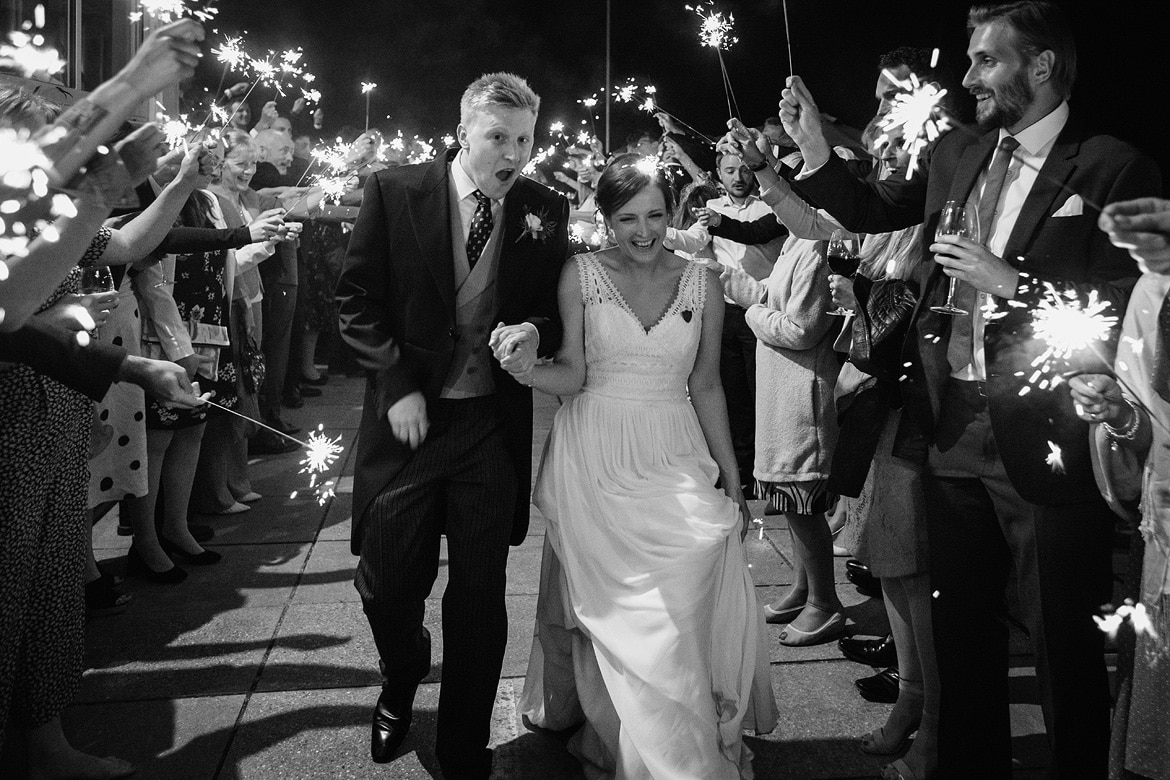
(639,226)
(238,169)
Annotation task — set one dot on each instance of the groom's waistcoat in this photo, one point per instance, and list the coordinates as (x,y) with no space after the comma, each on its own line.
(476,304)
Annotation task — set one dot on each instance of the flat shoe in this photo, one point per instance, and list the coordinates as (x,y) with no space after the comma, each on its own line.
(831,629)
(785,615)
(248,498)
(234,509)
(205,558)
(899,770)
(881,687)
(877,743)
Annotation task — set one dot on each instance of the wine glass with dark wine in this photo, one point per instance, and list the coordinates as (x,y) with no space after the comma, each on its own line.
(96,279)
(844,258)
(957,218)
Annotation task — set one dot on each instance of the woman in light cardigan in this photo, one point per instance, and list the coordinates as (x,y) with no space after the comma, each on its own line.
(796,426)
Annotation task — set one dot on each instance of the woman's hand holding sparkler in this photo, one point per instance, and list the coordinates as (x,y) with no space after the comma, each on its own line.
(746,143)
(971,262)
(802,122)
(1097,399)
(267,225)
(1143,227)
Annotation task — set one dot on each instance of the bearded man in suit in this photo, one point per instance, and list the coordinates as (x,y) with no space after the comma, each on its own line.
(1008,477)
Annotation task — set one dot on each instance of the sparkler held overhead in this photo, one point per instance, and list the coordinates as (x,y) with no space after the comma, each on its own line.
(715,31)
(367,88)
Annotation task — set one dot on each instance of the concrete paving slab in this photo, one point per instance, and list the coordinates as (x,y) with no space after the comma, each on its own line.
(249,575)
(197,651)
(176,739)
(338,519)
(346,655)
(274,518)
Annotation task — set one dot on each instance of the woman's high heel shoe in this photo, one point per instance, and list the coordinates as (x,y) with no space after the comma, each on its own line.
(205,558)
(136,566)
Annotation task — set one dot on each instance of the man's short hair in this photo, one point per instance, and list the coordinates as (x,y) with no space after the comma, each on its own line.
(916,60)
(1039,25)
(725,153)
(497,89)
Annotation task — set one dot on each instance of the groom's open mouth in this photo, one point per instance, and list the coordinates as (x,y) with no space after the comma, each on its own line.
(505,175)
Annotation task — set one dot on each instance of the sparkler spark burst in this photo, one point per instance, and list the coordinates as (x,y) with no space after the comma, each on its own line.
(26,53)
(322,452)
(1055,459)
(25,204)
(231,53)
(1136,614)
(1067,326)
(167,11)
(368,86)
(915,115)
(715,30)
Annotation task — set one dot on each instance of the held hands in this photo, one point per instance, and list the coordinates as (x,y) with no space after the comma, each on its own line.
(841,288)
(1143,227)
(974,264)
(709,217)
(1097,399)
(515,347)
(408,419)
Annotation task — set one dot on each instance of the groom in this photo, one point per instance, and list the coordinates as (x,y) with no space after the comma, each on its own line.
(441,253)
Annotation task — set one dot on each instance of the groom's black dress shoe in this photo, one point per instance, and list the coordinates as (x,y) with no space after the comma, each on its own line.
(392,716)
(882,687)
(871,652)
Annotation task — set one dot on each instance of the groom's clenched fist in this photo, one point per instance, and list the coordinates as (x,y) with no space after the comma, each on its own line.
(408,419)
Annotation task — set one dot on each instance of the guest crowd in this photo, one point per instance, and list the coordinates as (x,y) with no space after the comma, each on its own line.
(153,349)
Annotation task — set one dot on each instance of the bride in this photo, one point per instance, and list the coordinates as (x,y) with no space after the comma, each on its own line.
(647,625)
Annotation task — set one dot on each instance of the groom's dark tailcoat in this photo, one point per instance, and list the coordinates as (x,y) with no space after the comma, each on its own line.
(1058,522)
(397,306)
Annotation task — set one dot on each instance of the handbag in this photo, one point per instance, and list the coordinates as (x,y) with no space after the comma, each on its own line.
(885,308)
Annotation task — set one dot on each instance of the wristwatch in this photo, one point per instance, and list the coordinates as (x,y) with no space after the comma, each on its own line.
(757,168)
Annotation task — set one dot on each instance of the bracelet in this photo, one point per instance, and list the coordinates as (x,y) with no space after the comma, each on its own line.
(757,168)
(1131,428)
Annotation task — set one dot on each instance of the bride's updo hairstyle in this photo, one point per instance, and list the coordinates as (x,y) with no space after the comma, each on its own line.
(625,177)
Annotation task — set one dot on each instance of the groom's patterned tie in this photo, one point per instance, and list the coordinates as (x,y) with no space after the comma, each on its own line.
(481,228)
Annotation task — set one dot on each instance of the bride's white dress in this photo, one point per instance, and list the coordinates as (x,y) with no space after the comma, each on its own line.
(647,623)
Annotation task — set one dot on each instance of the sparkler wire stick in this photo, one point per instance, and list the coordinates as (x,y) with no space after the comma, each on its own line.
(728,91)
(262,425)
(788,39)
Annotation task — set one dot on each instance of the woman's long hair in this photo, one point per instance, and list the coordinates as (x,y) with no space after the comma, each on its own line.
(891,255)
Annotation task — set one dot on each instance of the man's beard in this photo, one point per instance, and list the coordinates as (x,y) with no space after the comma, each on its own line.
(1011,101)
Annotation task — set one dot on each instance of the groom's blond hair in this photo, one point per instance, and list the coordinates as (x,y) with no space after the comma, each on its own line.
(497,89)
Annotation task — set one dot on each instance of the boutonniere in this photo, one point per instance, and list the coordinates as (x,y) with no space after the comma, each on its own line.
(536,225)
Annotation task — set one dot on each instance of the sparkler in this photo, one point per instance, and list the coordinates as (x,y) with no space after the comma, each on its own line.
(716,32)
(27,54)
(1055,459)
(321,453)
(367,88)
(167,11)
(26,209)
(916,115)
(788,39)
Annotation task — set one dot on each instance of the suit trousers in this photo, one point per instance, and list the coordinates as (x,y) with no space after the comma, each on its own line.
(979,530)
(279,305)
(460,483)
(737,372)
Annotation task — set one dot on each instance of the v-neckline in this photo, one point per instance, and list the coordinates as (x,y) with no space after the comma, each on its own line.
(625,305)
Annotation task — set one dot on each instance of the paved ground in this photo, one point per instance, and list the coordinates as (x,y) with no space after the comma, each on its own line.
(262,666)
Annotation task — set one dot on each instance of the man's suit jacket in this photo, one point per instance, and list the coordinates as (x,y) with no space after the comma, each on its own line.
(396,303)
(1046,246)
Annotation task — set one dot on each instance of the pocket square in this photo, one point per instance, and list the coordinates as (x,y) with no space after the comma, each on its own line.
(1073,207)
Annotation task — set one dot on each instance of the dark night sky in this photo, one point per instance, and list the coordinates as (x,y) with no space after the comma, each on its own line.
(423,53)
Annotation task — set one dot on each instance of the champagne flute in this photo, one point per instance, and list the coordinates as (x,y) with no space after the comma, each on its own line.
(844,258)
(96,279)
(958,218)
